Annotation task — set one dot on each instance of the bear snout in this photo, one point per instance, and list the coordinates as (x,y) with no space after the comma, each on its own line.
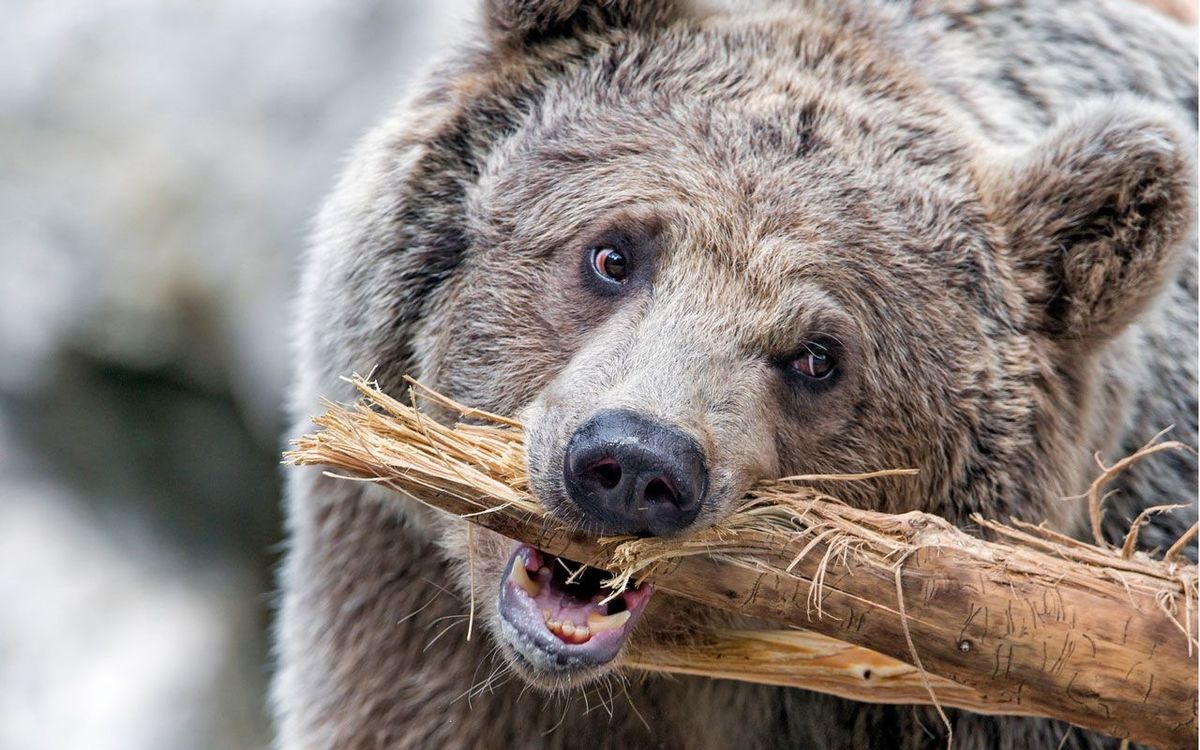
(630,475)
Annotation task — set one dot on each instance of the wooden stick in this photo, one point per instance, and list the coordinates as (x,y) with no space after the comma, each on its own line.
(806,660)
(1031,624)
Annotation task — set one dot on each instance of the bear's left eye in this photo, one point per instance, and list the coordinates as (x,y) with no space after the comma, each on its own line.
(610,263)
(814,362)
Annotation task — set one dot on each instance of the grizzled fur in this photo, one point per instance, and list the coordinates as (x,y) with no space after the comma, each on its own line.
(987,203)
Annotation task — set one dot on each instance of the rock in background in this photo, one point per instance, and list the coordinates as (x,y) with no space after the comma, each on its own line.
(160,163)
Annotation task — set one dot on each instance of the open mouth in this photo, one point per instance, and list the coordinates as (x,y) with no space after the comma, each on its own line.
(558,616)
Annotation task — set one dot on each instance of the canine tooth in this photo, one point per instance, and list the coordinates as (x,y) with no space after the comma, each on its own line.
(521,577)
(601,623)
(546,615)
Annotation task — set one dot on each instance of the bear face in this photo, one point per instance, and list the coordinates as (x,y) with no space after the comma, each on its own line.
(755,237)
(696,255)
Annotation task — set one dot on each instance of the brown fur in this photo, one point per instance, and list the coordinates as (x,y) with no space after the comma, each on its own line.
(988,204)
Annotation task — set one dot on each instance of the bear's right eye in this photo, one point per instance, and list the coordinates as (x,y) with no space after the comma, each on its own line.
(610,263)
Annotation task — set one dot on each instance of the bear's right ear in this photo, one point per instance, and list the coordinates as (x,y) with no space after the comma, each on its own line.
(524,22)
(1096,211)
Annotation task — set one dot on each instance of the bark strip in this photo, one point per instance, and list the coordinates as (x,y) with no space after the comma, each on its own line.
(1033,623)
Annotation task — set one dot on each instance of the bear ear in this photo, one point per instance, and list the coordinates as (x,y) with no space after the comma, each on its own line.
(1096,212)
(524,22)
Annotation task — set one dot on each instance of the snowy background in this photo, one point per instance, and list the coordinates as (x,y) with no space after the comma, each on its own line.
(160,162)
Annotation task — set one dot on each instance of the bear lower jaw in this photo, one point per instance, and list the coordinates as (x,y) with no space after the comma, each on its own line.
(556,617)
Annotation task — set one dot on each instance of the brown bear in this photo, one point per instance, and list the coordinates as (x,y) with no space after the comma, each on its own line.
(695,247)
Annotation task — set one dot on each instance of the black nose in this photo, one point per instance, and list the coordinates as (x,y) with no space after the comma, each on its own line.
(630,475)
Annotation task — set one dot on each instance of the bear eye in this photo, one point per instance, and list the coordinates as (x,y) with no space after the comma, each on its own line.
(610,263)
(814,362)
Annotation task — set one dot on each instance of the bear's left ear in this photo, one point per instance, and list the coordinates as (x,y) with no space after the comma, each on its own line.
(1096,212)
(522,22)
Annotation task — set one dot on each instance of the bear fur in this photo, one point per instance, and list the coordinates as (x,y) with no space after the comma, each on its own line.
(987,204)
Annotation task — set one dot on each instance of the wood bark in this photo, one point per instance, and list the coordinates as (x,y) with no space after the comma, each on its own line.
(1103,655)
(1032,623)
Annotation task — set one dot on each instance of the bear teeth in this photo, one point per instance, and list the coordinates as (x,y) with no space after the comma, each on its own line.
(567,631)
(520,576)
(600,623)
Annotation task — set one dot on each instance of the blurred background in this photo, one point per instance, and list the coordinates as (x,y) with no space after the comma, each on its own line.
(160,162)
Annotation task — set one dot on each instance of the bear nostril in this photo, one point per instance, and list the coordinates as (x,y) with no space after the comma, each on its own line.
(606,472)
(660,491)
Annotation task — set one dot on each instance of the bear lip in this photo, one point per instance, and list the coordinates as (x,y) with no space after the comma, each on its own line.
(558,617)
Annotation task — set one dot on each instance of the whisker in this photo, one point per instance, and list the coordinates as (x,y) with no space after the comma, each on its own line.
(561,719)
(635,710)
(439,635)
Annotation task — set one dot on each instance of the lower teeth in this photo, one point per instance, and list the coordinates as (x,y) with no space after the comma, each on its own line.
(568,631)
(573,633)
(600,623)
